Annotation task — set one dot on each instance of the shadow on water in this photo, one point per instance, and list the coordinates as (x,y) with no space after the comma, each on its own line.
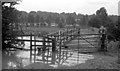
(43,59)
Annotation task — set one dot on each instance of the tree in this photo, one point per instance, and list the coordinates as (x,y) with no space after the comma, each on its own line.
(37,19)
(42,21)
(114,29)
(101,18)
(95,22)
(57,20)
(31,19)
(60,22)
(23,18)
(48,20)
(84,20)
(9,20)
(70,20)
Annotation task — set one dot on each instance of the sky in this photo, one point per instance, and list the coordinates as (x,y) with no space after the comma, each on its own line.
(69,6)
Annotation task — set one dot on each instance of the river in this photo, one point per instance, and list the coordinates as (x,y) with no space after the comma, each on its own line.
(21,59)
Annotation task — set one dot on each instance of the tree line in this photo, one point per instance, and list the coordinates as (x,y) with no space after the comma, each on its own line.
(60,19)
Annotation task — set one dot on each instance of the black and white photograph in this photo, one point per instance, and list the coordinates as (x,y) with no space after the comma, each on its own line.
(60,34)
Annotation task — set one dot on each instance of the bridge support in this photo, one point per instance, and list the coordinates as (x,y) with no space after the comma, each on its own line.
(44,47)
(31,47)
(53,45)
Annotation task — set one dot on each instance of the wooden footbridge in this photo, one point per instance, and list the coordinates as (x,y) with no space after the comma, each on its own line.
(58,45)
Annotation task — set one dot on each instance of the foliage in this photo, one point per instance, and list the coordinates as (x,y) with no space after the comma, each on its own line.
(84,20)
(23,17)
(37,19)
(94,20)
(48,20)
(9,25)
(70,20)
(59,21)
(101,18)
(31,19)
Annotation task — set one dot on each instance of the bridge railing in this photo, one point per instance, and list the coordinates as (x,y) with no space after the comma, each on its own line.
(64,36)
(54,41)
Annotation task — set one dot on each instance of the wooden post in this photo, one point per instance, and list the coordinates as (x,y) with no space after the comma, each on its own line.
(53,45)
(48,55)
(60,40)
(43,56)
(53,57)
(63,37)
(72,34)
(44,46)
(31,47)
(60,46)
(43,50)
(78,39)
(34,48)
(66,35)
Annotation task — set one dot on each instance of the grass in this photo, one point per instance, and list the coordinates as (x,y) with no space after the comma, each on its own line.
(37,30)
(55,29)
(100,61)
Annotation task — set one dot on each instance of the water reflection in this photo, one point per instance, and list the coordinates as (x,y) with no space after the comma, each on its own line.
(52,59)
(45,59)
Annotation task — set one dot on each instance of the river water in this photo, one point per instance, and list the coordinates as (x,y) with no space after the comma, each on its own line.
(21,59)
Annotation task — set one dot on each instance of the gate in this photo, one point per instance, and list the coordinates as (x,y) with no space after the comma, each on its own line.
(86,42)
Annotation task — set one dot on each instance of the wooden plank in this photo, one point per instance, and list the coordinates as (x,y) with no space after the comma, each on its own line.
(42,45)
(34,48)
(31,48)
(30,40)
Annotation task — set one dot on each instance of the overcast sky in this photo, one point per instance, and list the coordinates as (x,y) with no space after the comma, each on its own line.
(78,6)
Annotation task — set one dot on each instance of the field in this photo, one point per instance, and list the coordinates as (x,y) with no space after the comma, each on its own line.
(38,30)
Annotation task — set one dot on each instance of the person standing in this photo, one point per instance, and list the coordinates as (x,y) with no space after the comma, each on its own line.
(102,32)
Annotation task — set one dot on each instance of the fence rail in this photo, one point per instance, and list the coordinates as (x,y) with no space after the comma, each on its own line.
(55,41)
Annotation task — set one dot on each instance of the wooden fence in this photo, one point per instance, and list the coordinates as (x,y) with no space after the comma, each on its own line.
(54,41)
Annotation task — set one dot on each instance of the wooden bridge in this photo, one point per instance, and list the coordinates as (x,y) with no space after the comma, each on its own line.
(58,45)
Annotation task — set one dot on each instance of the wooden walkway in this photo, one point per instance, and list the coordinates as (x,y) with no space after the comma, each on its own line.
(58,44)
(84,45)
(87,41)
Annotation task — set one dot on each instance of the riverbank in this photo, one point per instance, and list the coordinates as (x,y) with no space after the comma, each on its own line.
(100,61)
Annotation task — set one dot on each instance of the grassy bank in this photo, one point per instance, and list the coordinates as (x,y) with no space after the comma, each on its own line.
(37,30)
